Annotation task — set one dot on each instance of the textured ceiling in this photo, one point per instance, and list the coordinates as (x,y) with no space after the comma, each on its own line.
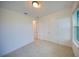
(47,7)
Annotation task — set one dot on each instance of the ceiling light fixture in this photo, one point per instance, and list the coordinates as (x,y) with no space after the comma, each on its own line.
(35,4)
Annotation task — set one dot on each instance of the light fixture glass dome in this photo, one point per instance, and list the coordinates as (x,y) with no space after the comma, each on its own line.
(36,4)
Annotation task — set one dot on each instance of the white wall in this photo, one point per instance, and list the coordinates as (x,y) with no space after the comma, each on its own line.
(15,30)
(56,27)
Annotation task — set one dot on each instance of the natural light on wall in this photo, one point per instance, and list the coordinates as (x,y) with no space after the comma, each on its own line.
(36,34)
(34,25)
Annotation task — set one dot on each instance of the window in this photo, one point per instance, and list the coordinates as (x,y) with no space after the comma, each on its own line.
(77,29)
(76,25)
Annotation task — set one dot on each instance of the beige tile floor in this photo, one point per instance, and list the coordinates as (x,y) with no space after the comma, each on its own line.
(46,49)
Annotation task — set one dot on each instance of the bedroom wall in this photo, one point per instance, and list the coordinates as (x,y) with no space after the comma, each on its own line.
(56,27)
(15,30)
